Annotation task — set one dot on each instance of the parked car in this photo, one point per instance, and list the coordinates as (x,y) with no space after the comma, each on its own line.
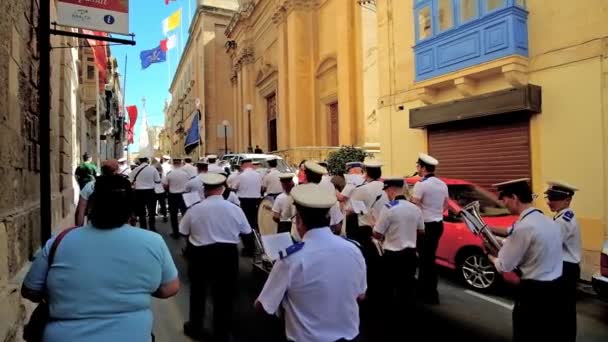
(461,250)
(600,279)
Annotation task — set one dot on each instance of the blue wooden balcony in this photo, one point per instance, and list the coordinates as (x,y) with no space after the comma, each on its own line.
(456,34)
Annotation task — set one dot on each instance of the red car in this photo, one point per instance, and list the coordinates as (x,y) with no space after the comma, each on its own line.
(459,248)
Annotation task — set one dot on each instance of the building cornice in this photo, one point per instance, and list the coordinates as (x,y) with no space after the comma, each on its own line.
(284,7)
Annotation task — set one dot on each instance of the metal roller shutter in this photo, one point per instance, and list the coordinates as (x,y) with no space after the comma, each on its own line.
(482,151)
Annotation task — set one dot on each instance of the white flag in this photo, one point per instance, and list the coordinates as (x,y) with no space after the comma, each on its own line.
(172,41)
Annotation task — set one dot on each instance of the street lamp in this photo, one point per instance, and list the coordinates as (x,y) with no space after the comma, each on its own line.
(225,123)
(249,108)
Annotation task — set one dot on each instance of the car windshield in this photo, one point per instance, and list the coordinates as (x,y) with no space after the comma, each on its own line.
(281,165)
(464,194)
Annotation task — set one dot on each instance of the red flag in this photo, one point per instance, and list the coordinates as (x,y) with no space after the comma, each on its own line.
(100,53)
(132,110)
(167,1)
(163,45)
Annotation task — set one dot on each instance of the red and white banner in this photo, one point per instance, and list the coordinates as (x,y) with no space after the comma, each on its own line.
(99,15)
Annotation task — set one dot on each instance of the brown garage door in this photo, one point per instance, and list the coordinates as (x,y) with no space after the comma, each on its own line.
(483,151)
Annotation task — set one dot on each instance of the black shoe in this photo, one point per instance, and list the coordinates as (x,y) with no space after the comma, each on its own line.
(195,333)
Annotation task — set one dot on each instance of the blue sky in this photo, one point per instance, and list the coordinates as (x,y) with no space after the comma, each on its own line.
(145,21)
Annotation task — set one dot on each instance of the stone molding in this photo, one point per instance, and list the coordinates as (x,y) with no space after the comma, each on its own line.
(284,7)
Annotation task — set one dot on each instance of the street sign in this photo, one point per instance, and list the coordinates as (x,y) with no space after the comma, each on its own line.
(106,16)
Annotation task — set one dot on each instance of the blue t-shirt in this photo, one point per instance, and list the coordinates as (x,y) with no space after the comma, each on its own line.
(100,283)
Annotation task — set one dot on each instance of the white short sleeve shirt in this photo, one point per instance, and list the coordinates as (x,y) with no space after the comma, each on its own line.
(318,287)
(399,222)
(283,205)
(433,193)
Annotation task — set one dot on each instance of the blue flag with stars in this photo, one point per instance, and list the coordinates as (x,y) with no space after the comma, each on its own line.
(149,57)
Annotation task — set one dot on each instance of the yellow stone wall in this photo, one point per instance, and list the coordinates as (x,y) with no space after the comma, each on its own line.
(203,73)
(310,54)
(568,46)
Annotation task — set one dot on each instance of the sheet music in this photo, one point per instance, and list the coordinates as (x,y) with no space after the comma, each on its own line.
(191,198)
(274,243)
(358,206)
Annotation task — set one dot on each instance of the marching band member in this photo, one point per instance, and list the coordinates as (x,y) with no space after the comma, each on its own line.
(314,174)
(431,195)
(534,248)
(144,179)
(123,168)
(397,228)
(175,184)
(248,186)
(282,208)
(213,227)
(354,178)
(195,184)
(188,167)
(213,166)
(271,184)
(371,195)
(559,197)
(323,271)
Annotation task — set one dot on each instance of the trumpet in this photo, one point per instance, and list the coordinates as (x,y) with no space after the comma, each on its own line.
(472,218)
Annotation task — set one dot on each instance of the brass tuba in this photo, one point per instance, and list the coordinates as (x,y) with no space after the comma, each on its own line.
(472,218)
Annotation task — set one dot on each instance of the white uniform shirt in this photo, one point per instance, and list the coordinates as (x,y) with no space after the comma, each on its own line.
(399,222)
(177,179)
(195,184)
(190,169)
(373,196)
(215,168)
(124,170)
(534,246)
(248,184)
(318,287)
(272,182)
(283,205)
(352,181)
(326,183)
(167,167)
(214,220)
(232,198)
(231,181)
(335,215)
(571,235)
(146,179)
(433,193)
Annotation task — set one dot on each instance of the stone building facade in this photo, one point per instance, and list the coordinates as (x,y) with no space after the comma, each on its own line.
(72,133)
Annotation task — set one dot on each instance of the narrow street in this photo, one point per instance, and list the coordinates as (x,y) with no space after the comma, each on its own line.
(463,314)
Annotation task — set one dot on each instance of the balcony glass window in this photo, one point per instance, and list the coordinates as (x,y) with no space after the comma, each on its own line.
(90,72)
(468,10)
(425,29)
(445,15)
(492,5)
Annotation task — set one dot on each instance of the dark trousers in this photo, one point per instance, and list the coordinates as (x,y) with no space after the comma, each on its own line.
(213,269)
(399,279)
(372,262)
(352,226)
(162,204)
(536,312)
(176,203)
(428,243)
(250,208)
(284,227)
(568,283)
(145,206)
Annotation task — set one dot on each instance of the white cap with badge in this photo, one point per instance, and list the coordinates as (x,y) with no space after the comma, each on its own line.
(428,160)
(372,163)
(211,179)
(315,167)
(313,196)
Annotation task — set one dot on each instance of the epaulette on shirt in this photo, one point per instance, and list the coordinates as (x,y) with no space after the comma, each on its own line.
(291,250)
(391,204)
(568,215)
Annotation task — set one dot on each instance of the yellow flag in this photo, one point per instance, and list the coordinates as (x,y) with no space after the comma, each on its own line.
(172,22)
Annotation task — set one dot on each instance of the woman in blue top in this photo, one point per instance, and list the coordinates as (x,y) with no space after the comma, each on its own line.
(103,274)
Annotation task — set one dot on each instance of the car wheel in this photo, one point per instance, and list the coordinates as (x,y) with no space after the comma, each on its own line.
(477,272)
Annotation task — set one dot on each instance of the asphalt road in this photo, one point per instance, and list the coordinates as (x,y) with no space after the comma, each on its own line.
(462,314)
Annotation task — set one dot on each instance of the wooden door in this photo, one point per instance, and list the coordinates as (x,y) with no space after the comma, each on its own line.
(334,128)
(271,110)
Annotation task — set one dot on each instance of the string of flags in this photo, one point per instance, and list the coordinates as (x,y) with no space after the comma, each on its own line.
(159,53)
